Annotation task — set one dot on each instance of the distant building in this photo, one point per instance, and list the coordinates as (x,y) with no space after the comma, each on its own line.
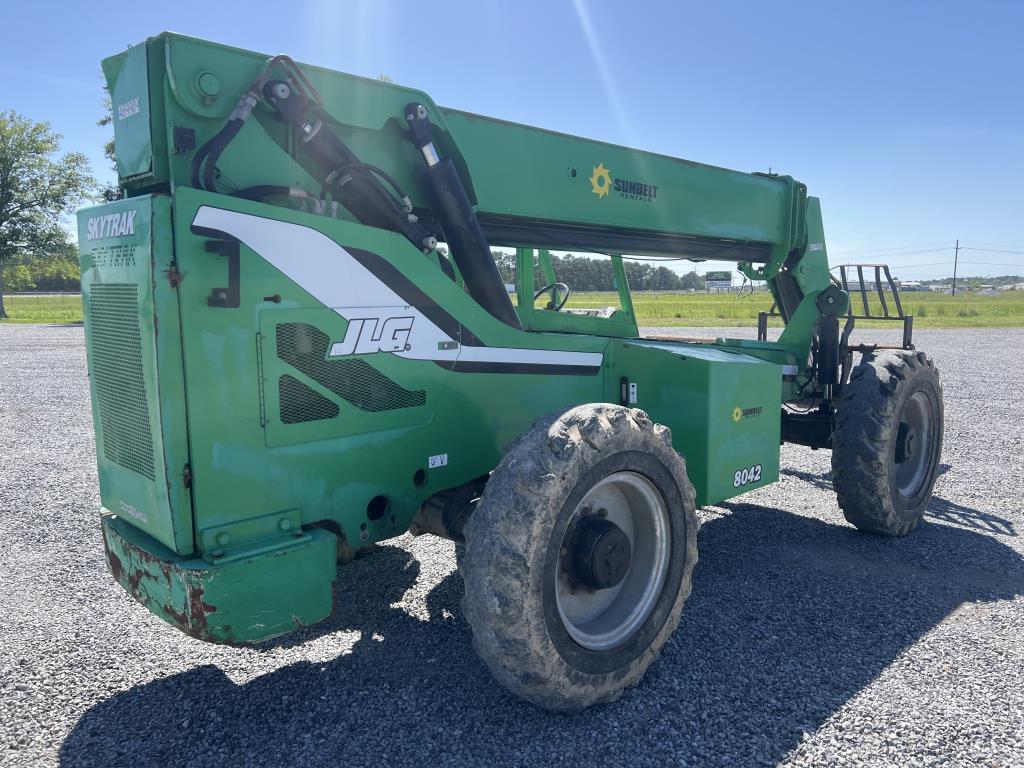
(854,285)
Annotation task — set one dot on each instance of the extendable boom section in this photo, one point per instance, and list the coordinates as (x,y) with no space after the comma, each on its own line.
(193,113)
(346,139)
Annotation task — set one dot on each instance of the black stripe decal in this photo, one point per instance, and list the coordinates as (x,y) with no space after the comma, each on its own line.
(552,369)
(384,271)
(388,274)
(214,234)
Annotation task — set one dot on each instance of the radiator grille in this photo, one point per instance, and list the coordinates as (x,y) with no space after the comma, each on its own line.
(299,403)
(354,380)
(116,355)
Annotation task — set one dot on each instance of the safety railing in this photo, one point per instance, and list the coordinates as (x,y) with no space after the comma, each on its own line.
(871,280)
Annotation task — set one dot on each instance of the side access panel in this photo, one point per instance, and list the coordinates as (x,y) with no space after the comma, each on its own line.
(319,389)
(133,339)
(278,425)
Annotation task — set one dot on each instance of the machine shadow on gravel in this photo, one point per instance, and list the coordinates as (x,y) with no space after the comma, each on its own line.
(939,508)
(789,618)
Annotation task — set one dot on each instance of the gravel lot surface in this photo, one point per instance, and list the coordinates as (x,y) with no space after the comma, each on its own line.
(804,643)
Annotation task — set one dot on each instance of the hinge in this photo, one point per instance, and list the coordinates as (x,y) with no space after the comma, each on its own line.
(186,476)
(259,379)
(174,277)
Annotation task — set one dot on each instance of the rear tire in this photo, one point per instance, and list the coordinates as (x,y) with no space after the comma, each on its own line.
(548,634)
(887,441)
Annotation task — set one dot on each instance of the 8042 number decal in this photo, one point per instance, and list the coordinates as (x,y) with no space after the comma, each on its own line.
(746,476)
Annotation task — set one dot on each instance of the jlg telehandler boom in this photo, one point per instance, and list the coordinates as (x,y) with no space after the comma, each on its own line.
(286,368)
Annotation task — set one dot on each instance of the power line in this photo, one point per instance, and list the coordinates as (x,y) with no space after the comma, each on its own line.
(929,264)
(995,263)
(988,250)
(885,250)
(908,250)
(899,266)
(897,255)
(994,245)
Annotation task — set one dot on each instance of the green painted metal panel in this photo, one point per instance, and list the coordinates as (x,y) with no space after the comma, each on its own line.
(244,600)
(246,462)
(722,407)
(546,175)
(128,78)
(134,353)
(365,402)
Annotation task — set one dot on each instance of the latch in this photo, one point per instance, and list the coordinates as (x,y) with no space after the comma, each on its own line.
(174,276)
(230,297)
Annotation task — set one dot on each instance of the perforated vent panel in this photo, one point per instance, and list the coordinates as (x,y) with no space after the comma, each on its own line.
(116,356)
(354,380)
(299,403)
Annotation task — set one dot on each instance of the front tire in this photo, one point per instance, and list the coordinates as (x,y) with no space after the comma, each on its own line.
(580,556)
(887,441)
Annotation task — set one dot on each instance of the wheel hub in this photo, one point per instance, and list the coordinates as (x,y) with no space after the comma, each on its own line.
(599,553)
(906,443)
(615,551)
(914,449)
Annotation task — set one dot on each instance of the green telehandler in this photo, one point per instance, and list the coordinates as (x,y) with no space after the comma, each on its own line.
(300,344)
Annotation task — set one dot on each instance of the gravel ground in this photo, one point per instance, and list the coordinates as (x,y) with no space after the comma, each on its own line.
(804,643)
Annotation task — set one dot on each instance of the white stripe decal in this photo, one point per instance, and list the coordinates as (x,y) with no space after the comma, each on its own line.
(339,281)
(529,356)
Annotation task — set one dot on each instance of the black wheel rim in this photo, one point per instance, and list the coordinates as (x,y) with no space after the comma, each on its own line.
(914,447)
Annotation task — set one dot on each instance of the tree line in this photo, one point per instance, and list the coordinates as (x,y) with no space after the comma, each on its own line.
(585,273)
(45,272)
(39,189)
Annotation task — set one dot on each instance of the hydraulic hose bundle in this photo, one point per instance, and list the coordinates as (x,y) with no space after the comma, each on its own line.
(458,221)
(206,158)
(359,187)
(372,195)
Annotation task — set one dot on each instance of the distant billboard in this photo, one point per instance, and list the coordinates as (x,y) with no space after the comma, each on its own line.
(718,280)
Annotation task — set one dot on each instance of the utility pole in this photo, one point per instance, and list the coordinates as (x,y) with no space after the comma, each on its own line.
(956,258)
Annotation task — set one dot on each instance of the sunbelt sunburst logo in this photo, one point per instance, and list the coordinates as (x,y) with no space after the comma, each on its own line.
(602,181)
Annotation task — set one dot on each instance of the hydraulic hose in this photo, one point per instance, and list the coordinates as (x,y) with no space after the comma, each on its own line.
(462,231)
(210,152)
(355,184)
(261,191)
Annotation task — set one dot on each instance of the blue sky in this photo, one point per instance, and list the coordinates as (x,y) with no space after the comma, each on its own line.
(906,119)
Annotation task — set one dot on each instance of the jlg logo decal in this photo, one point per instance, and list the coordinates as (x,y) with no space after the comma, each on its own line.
(365,336)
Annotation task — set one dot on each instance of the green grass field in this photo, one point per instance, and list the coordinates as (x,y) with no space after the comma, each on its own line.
(43,309)
(930,310)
